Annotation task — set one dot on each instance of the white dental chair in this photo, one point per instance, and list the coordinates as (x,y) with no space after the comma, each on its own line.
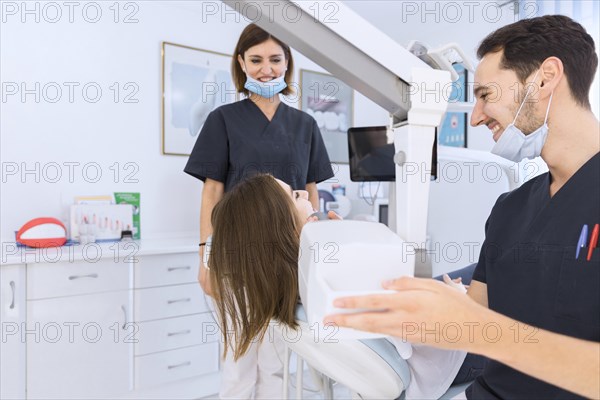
(335,261)
(369,368)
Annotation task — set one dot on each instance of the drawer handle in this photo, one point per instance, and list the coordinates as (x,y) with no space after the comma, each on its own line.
(184,300)
(124,317)
(179,333)
(187,267)
(185,364)
(12,287)
(72,277)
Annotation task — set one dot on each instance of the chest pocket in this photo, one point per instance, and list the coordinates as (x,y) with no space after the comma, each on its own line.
(578,291)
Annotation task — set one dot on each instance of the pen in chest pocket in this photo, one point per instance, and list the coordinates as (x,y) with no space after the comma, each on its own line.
(582,240)
(593,241)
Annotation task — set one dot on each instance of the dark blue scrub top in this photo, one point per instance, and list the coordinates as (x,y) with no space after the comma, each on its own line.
(238,141)
(528,262)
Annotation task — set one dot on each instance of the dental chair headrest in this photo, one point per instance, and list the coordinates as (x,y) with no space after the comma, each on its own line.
(347,258)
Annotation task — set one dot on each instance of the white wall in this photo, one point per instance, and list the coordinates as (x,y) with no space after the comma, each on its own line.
(53,51)
(79,143)
(39,132)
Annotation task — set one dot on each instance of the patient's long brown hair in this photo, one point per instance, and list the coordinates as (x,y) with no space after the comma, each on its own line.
(254,261)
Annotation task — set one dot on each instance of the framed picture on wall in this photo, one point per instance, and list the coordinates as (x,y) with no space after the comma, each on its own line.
(453,130)
(331,103)
(194,82)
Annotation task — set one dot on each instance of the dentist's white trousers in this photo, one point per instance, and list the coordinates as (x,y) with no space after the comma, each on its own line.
(257,374)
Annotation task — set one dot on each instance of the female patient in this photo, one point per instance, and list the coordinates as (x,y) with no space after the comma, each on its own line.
(253,260)
(253,275)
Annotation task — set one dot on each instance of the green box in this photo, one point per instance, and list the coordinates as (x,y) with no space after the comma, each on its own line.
(134,200)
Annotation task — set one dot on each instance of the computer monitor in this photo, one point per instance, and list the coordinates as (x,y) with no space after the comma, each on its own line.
(371,155)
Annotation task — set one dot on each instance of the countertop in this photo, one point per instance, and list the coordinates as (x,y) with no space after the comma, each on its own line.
(13,254)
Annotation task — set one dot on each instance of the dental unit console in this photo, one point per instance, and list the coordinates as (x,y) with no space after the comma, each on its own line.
(347,258)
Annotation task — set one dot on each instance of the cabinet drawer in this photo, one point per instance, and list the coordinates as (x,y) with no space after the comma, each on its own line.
(173,333)
(170,301)
(168,366)
(66,279)
(169,269)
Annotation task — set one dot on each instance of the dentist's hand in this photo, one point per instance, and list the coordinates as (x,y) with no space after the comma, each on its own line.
(421,311)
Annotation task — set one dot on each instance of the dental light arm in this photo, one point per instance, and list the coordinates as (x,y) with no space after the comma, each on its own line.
(441,58)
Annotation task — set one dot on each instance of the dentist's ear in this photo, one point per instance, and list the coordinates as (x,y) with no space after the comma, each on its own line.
(552,73)
(241,61)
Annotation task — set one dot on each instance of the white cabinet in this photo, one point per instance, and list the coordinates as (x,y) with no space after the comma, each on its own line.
(79,345)
(108,328)
(12,319)
(177,336)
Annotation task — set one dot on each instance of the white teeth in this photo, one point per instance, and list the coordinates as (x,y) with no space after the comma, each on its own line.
(495,129)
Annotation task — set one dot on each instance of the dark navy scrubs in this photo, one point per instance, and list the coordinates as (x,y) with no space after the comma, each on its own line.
(238,141)
(528,263)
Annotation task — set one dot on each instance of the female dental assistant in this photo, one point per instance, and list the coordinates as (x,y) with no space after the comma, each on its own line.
(259,134)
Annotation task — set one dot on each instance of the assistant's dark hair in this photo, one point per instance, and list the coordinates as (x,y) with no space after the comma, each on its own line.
(527,43)
(251,36)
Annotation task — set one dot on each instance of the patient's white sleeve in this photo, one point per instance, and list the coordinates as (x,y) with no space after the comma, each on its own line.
(456,285)
(432,371)
(404,348)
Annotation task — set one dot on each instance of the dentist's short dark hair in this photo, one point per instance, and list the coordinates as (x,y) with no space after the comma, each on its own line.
(527,43)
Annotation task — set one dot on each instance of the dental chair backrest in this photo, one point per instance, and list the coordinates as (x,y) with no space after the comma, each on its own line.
(345,258)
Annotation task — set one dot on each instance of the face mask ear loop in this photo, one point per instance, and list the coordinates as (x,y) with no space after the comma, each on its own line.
(525,98)
(548,109)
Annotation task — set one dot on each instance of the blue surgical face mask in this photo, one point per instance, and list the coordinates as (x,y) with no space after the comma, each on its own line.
(514,145)
(265,89)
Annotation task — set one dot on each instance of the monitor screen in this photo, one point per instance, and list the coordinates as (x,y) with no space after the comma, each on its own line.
(371,156)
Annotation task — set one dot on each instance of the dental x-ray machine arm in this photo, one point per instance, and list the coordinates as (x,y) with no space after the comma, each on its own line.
(369,61)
